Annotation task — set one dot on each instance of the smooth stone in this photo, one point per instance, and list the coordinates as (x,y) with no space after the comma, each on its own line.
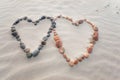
(43,42)
(17,36)
(45,38)
(27,50)
(89,49)
(49,31)
(95,28)
(35,24)
(35,53)
(13,29)
(68,59)
(76,61)
(40,47)
(14,33)
(29,55)
(56,37)
(51,19)
(95,36)
(48,17)
(92,41)
(16,22)
(62,50)
(29,20)
(79,59)
(48,35)
(53,26)
(37,21)
(86,55)
(71,63)
(58,44)
(43,17)
(18,39)
(53,23)
(22,45)
(25,18)
(20,19)
(80,21)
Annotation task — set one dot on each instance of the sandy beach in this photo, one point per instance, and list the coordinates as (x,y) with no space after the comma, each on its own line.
(103,63)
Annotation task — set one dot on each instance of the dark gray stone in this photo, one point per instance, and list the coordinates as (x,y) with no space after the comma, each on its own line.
(29,55)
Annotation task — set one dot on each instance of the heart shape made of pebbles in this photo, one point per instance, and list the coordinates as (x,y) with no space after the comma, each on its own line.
(15,34)
(89,49)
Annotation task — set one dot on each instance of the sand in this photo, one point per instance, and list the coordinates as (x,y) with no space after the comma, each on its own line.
(103,63)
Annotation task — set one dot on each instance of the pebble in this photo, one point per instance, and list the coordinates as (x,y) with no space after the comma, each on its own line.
(27,50)
(22,45)
(29,55)
(43,42)
(35,53)
(71,63)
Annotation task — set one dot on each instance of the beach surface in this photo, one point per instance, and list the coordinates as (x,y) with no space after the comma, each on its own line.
(103,63)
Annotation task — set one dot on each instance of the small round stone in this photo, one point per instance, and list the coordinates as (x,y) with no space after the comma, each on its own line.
(95,36)
(43,17)
(56,38)
(83,57)
(75,61)
(18,39)
(80,21)
(27,50)
(13,29)
(79,59)
(53,23)
(86,55)
(25,18)
(45,38)
(40,47)
(17,36)
(95,29)
(29,55)
(37,21)
(58,44)
(76,24)
(62,50)
(71,63)
(89,49)
(65,56)
(22,45)
(14,33)
(91,45)
(68,59)
(43,42)
(48,17)
(35,53)
(16,22)
(48,35)
(92,41)
(49,31)
(50,28)
(29,20)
